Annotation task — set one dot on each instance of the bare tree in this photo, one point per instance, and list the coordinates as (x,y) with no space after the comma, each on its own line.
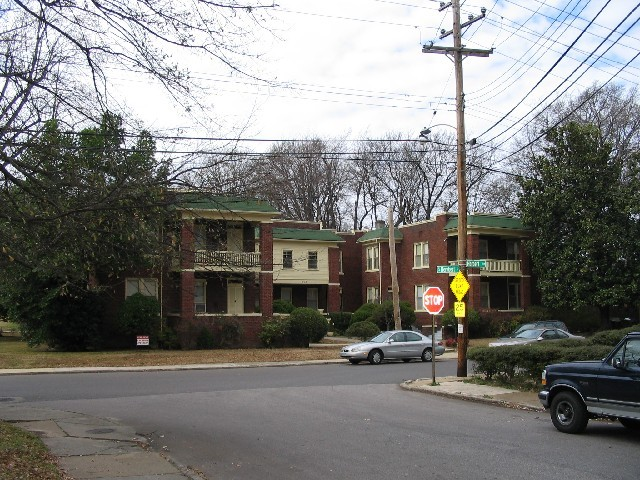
(304,180)
(417,177)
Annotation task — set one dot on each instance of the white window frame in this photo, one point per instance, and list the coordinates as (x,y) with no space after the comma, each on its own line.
(312,298)
(421,255)
(373,258)
(312,260)
(287,259)
(419,292)
(200,302)
(373,295)
(145,286)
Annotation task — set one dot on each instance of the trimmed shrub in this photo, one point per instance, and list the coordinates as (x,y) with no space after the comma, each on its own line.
(230,333)
(139,315)
(528,361)
(611,338)
(205,339)
(340,321)
(274,332)
(533,313)
(282,306)
(167,338)
(364,312)
(478,328)
(307,325)
(362,330)
(382,315)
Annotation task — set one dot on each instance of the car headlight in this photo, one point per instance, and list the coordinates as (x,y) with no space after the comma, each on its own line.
(544,377)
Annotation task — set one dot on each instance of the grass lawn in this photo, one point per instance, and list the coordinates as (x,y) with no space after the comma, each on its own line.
(24,456)
(15,353)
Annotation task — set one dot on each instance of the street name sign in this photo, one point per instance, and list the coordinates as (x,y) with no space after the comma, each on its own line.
(447,269)
(476,264)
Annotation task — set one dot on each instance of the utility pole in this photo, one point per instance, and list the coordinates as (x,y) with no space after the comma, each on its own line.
(458,52)
(394,271)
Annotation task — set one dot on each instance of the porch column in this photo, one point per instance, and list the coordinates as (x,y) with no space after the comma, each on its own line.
(525,280)
(187,272)
(333,290)
(473,296)
(187,303)
(266,269)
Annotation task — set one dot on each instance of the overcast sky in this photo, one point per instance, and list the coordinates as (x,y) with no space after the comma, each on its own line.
(355,68)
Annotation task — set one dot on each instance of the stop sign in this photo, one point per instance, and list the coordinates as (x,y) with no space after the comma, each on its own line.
(433,300)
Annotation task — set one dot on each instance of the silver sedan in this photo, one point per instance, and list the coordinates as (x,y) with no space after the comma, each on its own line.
(402,345)
(535,335)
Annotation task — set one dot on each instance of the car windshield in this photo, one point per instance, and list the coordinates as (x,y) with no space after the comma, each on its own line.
(529,334)
(381,337)
(522,328)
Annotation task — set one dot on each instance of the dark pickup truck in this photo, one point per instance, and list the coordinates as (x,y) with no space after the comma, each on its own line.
(609,388)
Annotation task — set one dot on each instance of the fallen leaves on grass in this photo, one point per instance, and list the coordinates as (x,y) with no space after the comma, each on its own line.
(24,456)
(21,356)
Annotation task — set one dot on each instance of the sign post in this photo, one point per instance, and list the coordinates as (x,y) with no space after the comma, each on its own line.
(433,302)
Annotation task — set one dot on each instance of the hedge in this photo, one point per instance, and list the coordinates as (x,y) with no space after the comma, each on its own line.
(528,361)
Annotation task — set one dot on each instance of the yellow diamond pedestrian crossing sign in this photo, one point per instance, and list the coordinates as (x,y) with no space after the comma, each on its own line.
(459,286)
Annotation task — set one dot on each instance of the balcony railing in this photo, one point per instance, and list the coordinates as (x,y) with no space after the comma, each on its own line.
(503,266)
(224,260)
(499,266)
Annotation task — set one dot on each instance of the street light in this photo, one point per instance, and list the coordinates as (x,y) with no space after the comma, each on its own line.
(424,134)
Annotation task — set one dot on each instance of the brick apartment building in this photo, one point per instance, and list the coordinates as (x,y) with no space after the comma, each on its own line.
(235,256)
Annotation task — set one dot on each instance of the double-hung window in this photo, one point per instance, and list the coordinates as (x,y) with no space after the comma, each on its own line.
(287,259)
(420,289)
(373,257)
(312,260)
(373,295)
(421,255)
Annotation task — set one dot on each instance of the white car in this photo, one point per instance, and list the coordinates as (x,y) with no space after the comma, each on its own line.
(535,335)
(402,345)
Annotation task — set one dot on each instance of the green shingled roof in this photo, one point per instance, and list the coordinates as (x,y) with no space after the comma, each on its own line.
(488,221)
(201,201)
(306,234)
(380,234)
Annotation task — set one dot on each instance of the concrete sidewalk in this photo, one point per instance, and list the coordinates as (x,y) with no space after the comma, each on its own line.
(95,448)
(458,387)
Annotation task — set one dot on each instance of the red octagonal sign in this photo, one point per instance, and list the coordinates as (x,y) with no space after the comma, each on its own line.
(433,300)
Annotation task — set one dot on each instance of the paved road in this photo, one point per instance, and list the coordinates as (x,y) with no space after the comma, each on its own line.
(333,421)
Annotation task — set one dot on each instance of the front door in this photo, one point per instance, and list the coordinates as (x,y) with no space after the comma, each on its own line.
(235,297)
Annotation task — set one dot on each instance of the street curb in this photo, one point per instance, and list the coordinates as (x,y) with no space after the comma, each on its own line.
(161,368)
(488,401)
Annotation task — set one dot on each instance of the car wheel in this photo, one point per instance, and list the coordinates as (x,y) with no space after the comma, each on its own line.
(354,361)
(568,413)
(630,423)
(375,357)
(406,360)
(427,356)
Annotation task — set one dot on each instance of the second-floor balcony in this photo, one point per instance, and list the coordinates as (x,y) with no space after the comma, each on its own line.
(494,267)
(227,261)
